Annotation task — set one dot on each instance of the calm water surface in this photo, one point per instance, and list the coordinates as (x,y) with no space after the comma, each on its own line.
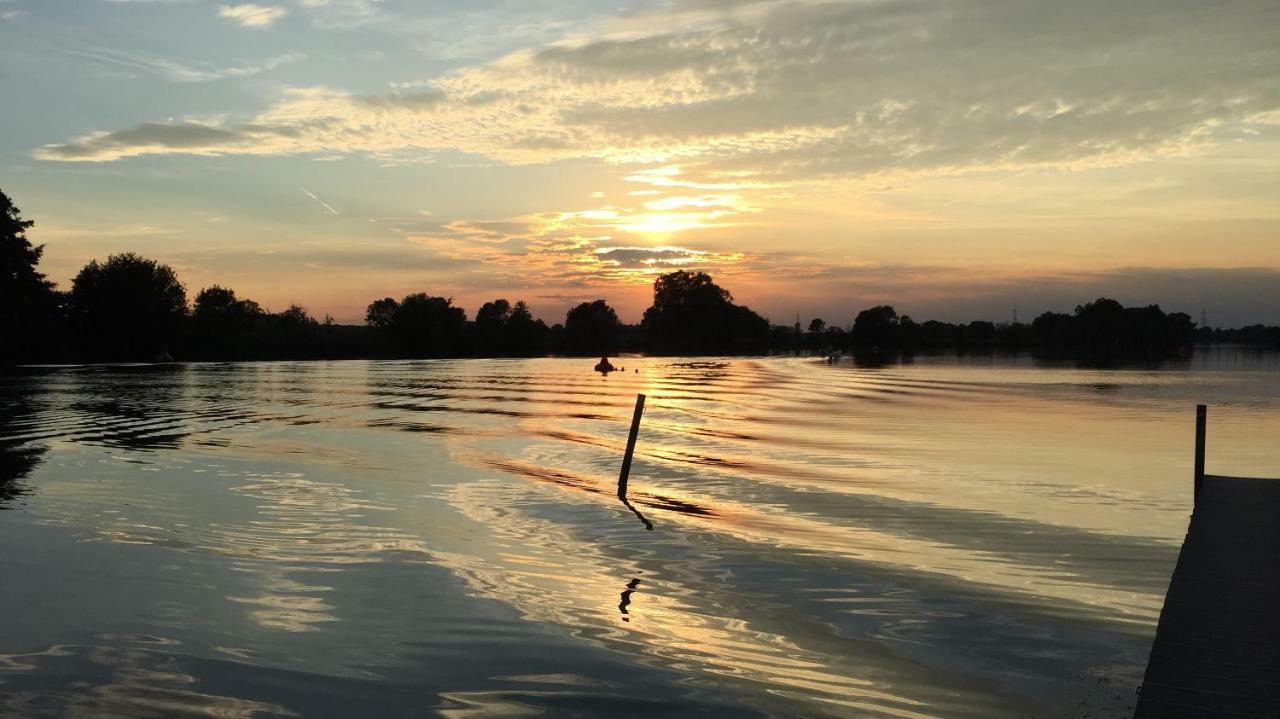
(951,537)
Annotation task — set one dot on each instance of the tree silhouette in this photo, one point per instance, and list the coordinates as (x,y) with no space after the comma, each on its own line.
(28,301)
(222,325)
(491,326)
(908,332)
(980,332)
(692,314)
(381,313)
(591,328)
(1257,334)
(525,336)
(876,327)
(419,326)
(127,308)
(1106,331)
(294,328)
(1100,325)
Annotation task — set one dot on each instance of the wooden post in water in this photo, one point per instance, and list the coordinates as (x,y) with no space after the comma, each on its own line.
(631,448)
(1201,422)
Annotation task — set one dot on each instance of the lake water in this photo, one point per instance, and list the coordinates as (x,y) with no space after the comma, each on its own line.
(951,537)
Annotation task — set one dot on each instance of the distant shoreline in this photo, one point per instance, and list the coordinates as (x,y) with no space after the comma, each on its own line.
(856,358)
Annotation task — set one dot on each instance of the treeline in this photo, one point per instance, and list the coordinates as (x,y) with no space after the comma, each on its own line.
(422,325)
(133,309)
(130,308)
(1100,328)
(1258,335)
(1103,329)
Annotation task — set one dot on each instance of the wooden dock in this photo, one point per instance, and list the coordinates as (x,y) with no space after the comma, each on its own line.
(1217,647)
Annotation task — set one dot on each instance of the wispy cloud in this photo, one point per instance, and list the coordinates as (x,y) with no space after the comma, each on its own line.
(180,71)
(322,203)
(665,258)
(252,15)
(344,14)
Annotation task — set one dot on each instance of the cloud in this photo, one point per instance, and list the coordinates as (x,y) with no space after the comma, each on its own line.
(424,99)
(178,71)
(668,258)
(679,202)
(490,231)
(252,15)
(189,137)
(344,14)
(671,176)
(745,95)
(575,249)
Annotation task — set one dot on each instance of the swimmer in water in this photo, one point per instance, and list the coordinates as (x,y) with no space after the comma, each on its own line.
(603,366)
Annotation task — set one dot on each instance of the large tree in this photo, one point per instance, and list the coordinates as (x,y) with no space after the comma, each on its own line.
(503,329)
(127,308)
(419,326)
(876,327)
(525,336)
(692,314)
(591,328)
(381,314)
(491,326)
(27,299)
(223,325)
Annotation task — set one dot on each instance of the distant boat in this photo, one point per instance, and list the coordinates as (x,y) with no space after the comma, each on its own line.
(164,357)
(604,366)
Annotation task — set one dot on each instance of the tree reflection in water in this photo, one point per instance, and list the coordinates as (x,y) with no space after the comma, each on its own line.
(18,456)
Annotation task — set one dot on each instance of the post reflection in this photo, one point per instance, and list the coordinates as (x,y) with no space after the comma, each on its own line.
(626,503)
(626,597)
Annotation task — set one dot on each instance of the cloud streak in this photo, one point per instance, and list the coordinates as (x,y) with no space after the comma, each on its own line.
(178,71)
(319,201)
(252,15)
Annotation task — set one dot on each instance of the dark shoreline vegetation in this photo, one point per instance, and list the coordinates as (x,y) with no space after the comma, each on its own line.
(132,309)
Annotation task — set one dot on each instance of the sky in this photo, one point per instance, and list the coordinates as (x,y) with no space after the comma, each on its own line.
(958,160)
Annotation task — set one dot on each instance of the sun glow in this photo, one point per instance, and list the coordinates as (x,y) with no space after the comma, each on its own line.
(665,224)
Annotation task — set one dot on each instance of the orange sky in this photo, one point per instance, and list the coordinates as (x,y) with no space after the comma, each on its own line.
(957,160)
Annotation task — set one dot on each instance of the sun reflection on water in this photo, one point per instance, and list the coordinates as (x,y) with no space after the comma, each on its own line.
(813,539)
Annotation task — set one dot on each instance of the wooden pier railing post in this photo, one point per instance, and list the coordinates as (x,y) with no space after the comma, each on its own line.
(1201,420)
(631,447)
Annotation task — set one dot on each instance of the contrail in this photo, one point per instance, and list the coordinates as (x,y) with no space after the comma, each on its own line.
(323,204)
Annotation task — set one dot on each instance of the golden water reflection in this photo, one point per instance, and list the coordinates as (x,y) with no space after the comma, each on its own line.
(909,541)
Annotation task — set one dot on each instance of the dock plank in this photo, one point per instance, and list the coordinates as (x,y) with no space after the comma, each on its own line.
(1217,646)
